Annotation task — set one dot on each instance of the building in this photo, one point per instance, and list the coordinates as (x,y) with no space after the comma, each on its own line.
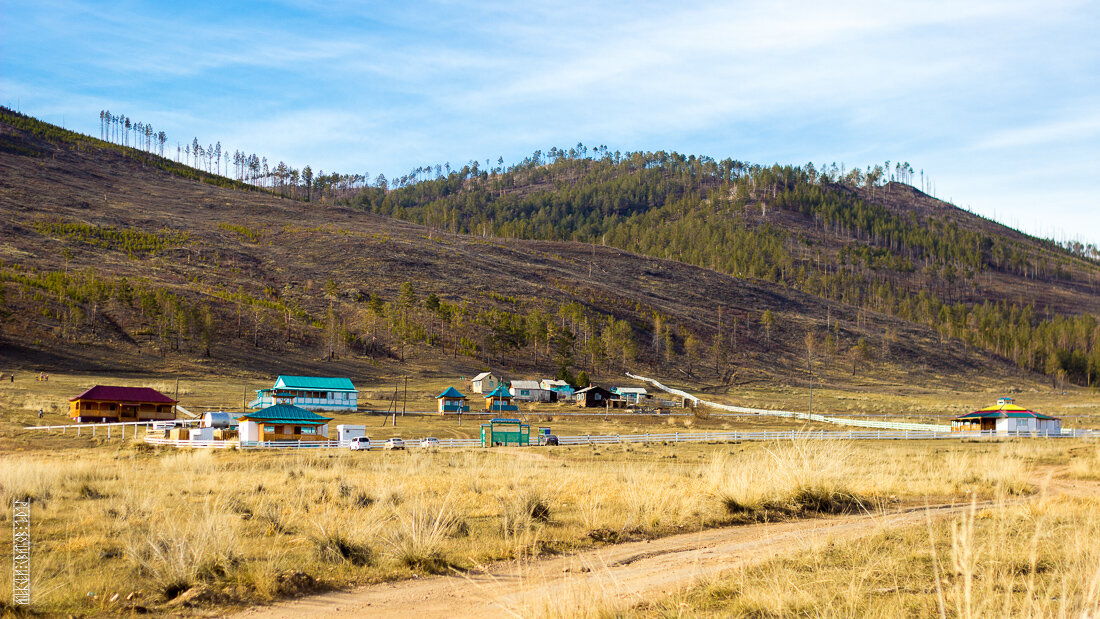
(499,400)
(451,401)
(530,391)
(598,397)
(485,382)
(313,393)
(633,395)
(103,404)
(1004,418)
(562,389)
(283,422)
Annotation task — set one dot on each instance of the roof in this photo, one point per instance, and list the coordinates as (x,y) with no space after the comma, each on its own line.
(550,384)
(483,376)
(592,388)
(319,383)
(638,390)
(451,392)
(124,394)
(526,384)
(499,392)
(286,413)
(1003,410)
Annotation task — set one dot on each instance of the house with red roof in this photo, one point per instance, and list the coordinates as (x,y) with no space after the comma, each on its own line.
(103,404)
(1005,418)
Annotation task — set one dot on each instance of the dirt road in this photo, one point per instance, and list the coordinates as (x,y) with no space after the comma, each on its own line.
(613,576)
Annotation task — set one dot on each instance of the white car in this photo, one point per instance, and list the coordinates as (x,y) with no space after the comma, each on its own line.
(359,442)
(430,442)
(393,443)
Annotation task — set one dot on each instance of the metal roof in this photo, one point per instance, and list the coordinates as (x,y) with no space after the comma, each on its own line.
(483,376)
(318,383)
(1003,409)
(287,413)
(526,384)
(499,392)
(124,394)
(451,392)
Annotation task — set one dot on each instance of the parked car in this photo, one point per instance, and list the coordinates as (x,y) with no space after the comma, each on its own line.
(393,443)
(359,442)
(548,439)
(429,442)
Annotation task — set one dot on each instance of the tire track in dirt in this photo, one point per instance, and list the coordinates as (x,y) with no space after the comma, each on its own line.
(624,574)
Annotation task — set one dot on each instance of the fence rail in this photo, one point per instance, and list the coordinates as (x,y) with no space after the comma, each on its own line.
(861,423)
(669,437)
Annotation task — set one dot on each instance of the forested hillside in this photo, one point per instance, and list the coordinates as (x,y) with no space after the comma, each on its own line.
(116,258)
(858,237)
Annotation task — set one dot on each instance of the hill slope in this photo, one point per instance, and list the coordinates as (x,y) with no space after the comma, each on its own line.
(110,262)
(851,238)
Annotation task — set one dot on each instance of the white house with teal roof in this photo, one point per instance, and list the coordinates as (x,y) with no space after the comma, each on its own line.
(314,393)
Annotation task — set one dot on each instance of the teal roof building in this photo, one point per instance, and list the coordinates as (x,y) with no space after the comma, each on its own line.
(315,393)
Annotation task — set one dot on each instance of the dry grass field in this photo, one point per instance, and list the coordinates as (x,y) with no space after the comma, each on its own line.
(121,529)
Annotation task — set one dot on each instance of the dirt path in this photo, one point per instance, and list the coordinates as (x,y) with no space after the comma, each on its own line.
(623,574)
(615,575)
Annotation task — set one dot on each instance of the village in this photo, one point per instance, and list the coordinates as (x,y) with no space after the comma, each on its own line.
(297,411)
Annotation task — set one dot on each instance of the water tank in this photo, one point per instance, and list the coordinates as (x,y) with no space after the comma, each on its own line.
(217,420)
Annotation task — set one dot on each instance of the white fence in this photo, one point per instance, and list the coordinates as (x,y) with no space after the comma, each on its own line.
(860,423)
(669,437)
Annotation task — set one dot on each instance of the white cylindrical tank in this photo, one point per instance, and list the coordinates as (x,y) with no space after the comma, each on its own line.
(217,420)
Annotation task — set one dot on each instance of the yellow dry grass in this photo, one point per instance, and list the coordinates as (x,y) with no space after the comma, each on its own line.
(246,527)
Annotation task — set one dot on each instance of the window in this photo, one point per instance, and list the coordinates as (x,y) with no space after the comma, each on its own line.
(269,429)
(308,430)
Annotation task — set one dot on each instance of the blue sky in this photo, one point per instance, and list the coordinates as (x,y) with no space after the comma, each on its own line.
(997,101)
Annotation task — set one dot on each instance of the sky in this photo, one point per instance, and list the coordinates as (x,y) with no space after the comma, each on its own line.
(998,102)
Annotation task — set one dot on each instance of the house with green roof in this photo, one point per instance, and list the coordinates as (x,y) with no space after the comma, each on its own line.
(315,393)
(499,400)
(282,422)
(452,401)
(1005,418)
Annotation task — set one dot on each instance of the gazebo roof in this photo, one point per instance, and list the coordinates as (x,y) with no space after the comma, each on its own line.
(451,392)
(124,394)
(500,392)
(286,413)
(1002,410)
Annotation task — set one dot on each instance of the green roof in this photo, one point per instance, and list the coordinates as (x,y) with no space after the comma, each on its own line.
(500,392)
(286,413)
(316,383)
(451,392)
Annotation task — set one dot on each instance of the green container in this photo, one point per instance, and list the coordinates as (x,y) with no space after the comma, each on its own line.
(502,432)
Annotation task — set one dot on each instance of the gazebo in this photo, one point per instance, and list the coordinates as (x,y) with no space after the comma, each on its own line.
(499,400)
(1004,418)
(451,401)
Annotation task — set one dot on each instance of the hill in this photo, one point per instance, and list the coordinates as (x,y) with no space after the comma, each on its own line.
(859,237)
(123,261)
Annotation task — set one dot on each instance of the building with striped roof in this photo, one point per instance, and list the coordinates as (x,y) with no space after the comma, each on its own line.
(1006,417)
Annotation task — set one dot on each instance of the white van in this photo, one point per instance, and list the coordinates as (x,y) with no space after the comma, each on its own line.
(359,442)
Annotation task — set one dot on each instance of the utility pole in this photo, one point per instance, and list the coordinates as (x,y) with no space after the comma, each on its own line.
(405,396)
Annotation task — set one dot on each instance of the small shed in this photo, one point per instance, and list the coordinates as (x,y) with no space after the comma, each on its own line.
(1005,418)
(501,432)
(283,422)
(499,400)
(598,397)
(485,382)
(530,391)
(451,401)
